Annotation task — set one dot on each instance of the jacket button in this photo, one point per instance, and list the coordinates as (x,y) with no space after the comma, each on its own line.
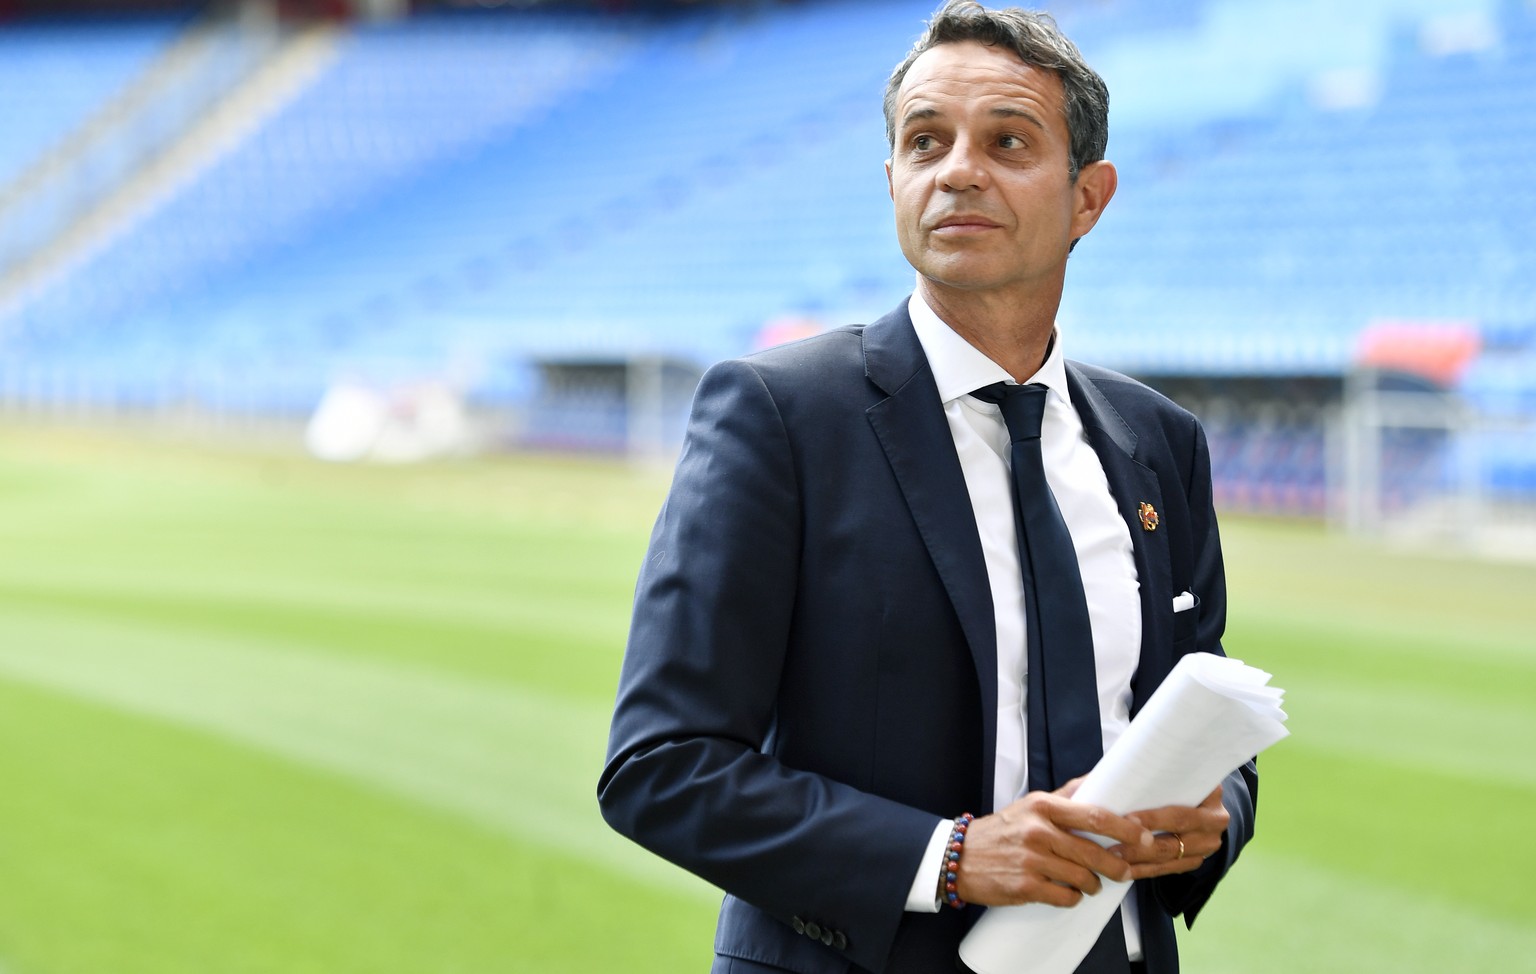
(839,941)
(798,924)
(826,937)
(813,931)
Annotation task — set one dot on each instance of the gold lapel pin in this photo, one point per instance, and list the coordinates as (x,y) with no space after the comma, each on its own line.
(1148,514)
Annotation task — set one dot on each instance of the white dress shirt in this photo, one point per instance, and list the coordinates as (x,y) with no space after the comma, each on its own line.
(1099,535)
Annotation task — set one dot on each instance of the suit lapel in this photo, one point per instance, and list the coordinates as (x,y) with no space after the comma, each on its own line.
(1132,485)
(912,430)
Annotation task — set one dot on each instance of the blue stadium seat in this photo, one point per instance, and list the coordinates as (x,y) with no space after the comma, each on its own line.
(55,74)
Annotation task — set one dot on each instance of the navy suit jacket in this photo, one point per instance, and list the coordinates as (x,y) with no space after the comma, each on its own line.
(811,673)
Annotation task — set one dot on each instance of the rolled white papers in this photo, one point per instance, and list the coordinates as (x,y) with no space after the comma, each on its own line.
(1206,720)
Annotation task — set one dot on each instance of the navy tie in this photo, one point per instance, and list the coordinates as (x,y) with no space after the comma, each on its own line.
(1065,735)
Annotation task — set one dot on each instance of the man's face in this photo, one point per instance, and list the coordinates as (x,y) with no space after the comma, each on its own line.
(980,172)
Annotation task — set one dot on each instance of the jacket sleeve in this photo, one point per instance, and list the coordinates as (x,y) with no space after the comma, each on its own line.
(1187,893)
(689,772)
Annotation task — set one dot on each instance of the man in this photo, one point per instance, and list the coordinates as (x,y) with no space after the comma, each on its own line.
(836,643)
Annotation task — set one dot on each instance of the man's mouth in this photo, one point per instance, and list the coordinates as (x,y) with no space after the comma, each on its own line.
(965,224)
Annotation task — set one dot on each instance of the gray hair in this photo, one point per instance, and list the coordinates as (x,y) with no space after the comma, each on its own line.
(1036,39)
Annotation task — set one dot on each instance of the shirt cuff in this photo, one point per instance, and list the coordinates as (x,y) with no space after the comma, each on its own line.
(923,897)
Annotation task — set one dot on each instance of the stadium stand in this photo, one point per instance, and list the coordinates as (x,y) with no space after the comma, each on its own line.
(470,194)
(53,74)
(397,100)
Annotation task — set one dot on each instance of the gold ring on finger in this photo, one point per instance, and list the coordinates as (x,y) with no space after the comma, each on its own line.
(1181,844)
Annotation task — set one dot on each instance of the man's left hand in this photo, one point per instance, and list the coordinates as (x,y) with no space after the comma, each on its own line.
(1190,835)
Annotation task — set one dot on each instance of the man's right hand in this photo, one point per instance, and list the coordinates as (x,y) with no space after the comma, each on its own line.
(1028,852)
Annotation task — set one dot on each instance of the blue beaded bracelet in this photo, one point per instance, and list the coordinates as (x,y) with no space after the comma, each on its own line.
(952,860)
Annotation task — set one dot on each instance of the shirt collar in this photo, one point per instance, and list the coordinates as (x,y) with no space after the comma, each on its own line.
(960,368)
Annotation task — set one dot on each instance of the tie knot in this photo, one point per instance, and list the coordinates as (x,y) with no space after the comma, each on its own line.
(1023,407)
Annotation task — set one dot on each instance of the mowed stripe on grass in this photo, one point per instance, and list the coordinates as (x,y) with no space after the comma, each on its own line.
(421,660)
(355,658)
(1276,914)
(139,847)
(496,753)
(1411,680)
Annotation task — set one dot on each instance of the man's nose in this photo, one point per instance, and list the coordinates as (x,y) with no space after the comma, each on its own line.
(964,167)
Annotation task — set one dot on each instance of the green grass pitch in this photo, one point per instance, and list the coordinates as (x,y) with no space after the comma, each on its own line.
(263,715)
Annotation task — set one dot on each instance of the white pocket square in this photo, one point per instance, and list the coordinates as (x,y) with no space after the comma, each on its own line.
(1184,600)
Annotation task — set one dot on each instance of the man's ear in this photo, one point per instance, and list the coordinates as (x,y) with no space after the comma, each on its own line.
(890,186)
(1094,188)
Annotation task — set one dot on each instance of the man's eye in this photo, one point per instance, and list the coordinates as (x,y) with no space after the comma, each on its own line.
(923,143)
(1009,142)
